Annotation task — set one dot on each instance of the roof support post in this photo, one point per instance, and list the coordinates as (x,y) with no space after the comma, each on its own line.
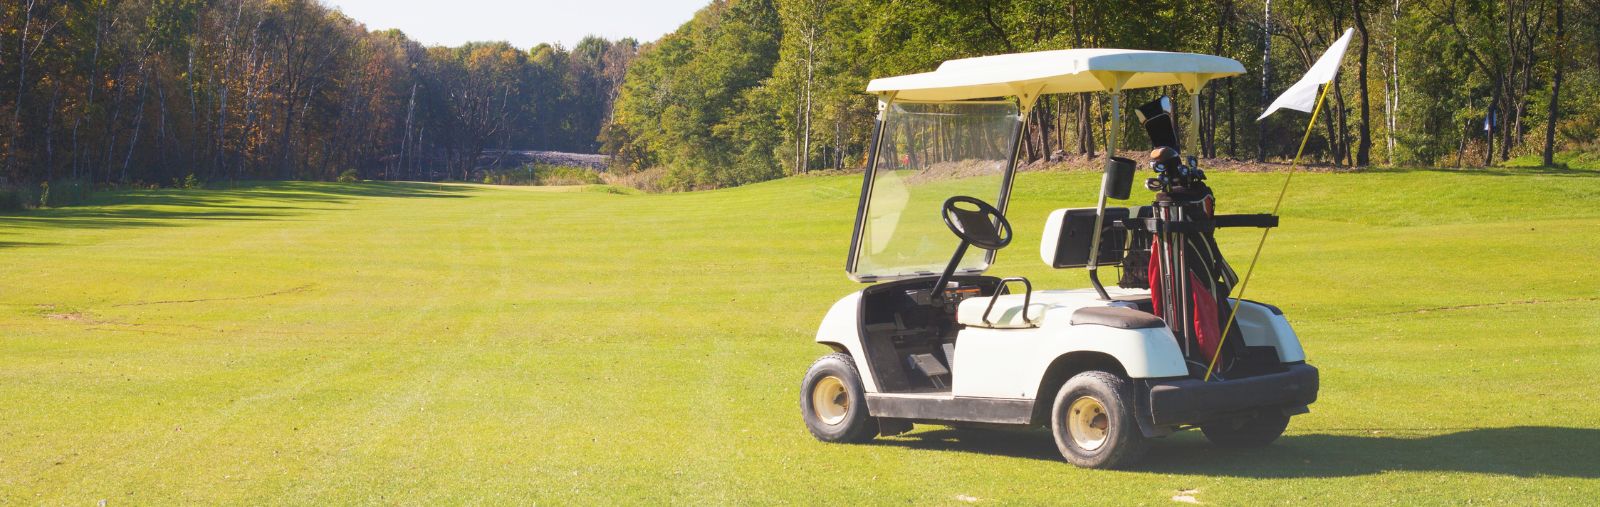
(1113,81)
(1193,83)
(1026,98)
(1194,124)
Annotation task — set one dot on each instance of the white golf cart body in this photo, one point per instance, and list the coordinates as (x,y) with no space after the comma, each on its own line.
(1007,353)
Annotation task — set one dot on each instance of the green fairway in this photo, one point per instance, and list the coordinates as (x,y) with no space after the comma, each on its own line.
(420,344)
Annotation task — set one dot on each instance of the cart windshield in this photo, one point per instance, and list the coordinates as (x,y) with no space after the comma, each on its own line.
(929,153)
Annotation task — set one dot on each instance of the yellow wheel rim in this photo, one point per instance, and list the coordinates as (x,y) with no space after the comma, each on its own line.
(1087,422)
(830,400)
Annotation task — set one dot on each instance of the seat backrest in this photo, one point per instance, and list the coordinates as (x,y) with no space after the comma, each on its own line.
(1068,233)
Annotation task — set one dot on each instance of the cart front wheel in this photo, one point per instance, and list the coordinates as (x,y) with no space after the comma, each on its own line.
(833,403)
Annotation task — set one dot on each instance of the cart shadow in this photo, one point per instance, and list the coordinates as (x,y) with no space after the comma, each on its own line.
(1521,451)
(242,202)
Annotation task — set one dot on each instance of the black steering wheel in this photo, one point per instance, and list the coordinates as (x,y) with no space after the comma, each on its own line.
(984,227)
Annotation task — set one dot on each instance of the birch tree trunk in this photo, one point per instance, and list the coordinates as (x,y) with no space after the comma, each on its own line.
(22,82)
(1391,100)
(1266,80)
(811,63)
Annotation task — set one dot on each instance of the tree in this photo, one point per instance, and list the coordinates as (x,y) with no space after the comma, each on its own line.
(147,91)
(1559,63)
(691,101)
(1364,148)
(141,91)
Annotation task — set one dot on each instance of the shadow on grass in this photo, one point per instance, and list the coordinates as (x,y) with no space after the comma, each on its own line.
(1522,451)
(21,244)
(250,201)
(314,191)
(1488,171)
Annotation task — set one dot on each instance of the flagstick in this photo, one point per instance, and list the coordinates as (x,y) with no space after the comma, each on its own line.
(1239,298)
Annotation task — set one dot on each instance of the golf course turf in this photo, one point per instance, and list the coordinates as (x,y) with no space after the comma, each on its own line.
(318,343)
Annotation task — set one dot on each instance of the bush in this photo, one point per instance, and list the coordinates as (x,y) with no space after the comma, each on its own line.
(64,192)
(541,174)
(561,175)
(648,180)
(11,199)
(349,176)
(524,175)
(189,182)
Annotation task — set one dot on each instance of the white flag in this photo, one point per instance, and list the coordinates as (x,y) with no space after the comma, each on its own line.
(1303,95)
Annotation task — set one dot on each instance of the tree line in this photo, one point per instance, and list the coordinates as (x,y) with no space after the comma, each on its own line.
(755,89)
(150,91)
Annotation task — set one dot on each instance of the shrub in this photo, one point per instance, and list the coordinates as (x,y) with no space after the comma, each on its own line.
(524,175)
(189,182)
(648,180)
(11,199)
(540,174)
(562,175)
(349,176)
(63,192)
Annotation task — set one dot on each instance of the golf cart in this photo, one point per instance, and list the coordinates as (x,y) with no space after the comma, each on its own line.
(937,340)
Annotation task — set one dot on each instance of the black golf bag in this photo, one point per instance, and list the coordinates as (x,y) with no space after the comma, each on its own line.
(1172,249)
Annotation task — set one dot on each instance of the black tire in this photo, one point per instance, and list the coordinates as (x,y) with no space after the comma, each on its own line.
(1121,443)
(1257,431)
(855,425)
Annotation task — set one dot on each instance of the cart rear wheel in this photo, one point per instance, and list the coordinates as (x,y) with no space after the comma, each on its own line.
(833,402)
(1257,431)
(1093,422)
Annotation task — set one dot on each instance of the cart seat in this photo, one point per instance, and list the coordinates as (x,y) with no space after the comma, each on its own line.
(1007,312)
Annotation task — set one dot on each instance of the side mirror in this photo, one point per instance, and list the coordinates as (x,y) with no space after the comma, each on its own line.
(1118,180)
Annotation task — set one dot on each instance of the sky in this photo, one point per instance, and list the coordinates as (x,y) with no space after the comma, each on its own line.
(525,23)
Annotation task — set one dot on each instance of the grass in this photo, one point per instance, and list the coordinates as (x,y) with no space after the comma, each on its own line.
(1581,160)
(419,344)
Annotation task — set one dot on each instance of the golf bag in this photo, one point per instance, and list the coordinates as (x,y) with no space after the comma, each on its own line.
(1173,251)
(1189,280)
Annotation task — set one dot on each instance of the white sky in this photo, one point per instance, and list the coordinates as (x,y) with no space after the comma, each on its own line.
(525,23)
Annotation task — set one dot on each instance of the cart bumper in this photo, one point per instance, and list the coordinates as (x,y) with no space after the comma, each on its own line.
(1191,401)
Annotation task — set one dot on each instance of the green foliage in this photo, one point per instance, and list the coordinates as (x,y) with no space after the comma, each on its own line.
(14,199)
(1434,103)
(64,192)
(349,176)
(561,175)
(120,92)
(1449,60)
(692,101)
(189,182)
(544,175)
(524,175)
(646,181)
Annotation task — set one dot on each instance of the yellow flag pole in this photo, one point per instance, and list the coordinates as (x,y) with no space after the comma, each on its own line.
(1238,298)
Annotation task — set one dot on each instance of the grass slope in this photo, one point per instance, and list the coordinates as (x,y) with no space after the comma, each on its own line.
(407,343)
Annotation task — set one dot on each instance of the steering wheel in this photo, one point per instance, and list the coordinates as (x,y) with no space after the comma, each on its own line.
(984,227)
